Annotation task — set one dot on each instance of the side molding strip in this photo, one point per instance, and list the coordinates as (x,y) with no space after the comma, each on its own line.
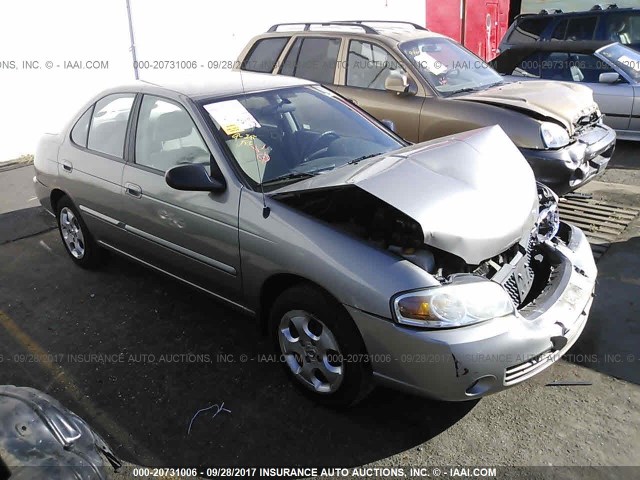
(209,292)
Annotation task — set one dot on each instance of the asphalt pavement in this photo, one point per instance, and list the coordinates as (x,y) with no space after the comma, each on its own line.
(138,355)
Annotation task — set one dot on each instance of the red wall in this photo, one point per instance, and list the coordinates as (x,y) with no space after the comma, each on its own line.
(443,16)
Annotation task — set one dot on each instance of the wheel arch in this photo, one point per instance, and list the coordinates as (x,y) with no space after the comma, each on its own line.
(55,196)
(274,285)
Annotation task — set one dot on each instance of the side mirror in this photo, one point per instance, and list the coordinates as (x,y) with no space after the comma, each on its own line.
(389,124)
(609,77)
(194,177)
(397,82)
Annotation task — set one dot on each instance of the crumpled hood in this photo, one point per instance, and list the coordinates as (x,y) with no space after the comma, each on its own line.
(563,101)
(473,194)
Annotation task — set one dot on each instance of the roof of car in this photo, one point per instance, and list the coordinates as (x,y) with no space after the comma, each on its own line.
(592,11)
(218,84)
(398,31)
(510,58)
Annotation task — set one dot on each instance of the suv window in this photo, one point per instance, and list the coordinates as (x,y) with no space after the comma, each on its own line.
(369,65)
(166,136)
(571,67)
(623,28)
(109,124)
(264,55)
(528,30)
(313,58)
(581,28)
(559,33)
(81,129)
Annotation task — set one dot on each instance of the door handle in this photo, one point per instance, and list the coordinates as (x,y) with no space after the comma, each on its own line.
(67,165)
(133,190)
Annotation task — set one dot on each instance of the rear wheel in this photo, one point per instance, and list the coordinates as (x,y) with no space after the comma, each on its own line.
(320,346)
(75,235)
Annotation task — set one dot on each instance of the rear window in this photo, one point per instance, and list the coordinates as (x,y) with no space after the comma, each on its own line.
(528,30)
(313,58)
(264,55)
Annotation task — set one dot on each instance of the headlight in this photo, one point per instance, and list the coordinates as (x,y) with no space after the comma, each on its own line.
(453,305)
(553,135)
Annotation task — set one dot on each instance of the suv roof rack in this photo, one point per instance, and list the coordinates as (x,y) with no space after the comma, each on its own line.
(307,26)
(365,25)
(414,26)
(550,11)
(600,6)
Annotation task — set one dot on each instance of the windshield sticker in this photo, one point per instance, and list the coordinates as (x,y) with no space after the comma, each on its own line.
(426,61)
(630,62)
(261,149)
(232,116)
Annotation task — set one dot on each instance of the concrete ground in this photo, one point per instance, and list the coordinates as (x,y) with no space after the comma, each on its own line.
(138,355)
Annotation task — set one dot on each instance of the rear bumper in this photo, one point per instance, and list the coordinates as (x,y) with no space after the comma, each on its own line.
(566,169)
(474,361)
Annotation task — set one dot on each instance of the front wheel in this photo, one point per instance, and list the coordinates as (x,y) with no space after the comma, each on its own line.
(320,346)
(75,235)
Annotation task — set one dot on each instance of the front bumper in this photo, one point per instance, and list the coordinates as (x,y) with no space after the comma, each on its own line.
(470,362)
(566,169)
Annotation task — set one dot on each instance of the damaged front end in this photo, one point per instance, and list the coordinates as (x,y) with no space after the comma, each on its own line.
(513,284)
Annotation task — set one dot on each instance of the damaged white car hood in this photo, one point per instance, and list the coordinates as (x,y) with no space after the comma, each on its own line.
(473,194)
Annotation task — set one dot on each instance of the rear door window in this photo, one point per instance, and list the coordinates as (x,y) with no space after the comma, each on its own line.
(560,30)
(528,30)
(81,128)
(581,28)
(109,124)
(313,58)
(264,55)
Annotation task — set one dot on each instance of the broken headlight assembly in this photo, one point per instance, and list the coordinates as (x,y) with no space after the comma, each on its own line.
(548,222)
(452,305)
(553,135)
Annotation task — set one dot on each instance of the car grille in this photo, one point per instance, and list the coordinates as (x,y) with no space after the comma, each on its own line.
(586,122)
(524,370)
(519,282)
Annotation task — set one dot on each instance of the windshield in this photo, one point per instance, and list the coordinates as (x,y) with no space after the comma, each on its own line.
(448,67)
(625,58)
(282,136)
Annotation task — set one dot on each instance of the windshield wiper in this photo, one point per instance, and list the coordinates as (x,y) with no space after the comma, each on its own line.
(288,176)
(364,157)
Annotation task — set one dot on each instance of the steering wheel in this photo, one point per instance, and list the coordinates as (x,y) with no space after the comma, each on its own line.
(323,141)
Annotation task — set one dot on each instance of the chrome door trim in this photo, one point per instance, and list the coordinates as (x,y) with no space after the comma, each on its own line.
(101,216)
(185,251)
(219,297)
(172,246)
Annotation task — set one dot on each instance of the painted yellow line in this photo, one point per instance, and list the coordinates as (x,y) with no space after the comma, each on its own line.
(59,375)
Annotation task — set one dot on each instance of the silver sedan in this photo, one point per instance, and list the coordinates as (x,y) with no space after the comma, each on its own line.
(439,268)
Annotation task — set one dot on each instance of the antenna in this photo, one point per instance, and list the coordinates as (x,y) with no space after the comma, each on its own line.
(133,42)
(265,209)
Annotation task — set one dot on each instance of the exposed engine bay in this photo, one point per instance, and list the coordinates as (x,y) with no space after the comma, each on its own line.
(521,269)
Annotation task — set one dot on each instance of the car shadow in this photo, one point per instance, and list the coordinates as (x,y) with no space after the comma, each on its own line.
(610,342)
(182,379)
(626,156)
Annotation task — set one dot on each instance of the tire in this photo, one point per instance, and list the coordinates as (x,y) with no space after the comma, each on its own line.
(75,236)
(328,360)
